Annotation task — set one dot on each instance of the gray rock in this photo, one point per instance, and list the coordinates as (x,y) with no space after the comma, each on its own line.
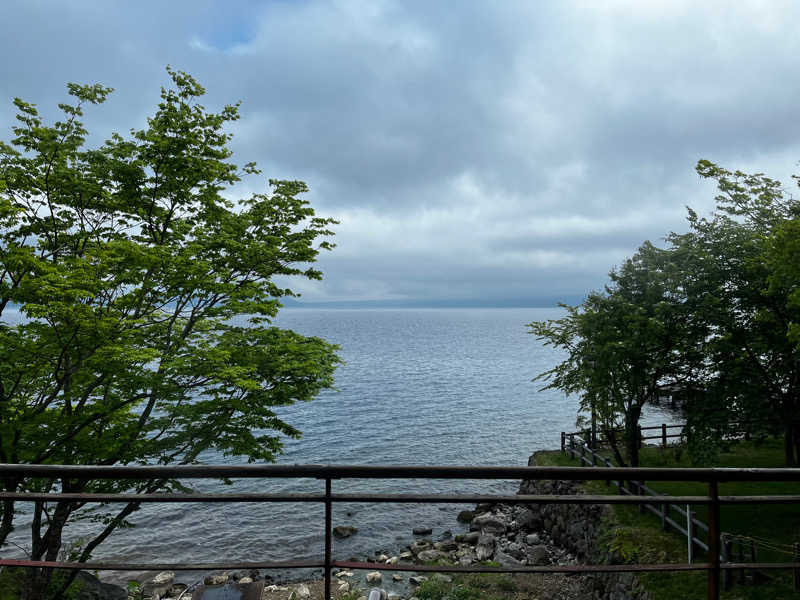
(485,547)
(374,577)
(420,545)
(465,516)
(91,588)
(417,579)
(506,560)
(447,546)
(538,555)
(216,579)
(344,531)
(422,531)
(488,523)
(468,538)
(532,539)
(516,550)
(429,555)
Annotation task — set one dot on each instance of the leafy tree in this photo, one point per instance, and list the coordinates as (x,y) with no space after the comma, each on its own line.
(620,345)
(739,283)
(146,298)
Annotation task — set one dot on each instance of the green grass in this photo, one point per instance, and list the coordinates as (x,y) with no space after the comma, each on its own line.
(641,534)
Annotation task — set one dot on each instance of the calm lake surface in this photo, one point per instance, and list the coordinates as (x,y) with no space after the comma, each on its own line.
(438,386)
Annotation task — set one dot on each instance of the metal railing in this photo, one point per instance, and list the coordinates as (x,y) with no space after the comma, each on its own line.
(329,473)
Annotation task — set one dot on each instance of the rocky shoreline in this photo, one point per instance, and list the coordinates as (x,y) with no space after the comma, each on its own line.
(504,534)
(509,535)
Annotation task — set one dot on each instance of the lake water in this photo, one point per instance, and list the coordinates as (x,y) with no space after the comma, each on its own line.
(439,386)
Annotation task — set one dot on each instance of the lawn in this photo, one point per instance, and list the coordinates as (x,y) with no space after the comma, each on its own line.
(643,539)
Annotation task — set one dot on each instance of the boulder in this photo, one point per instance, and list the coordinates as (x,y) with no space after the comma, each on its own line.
(344,531)
(420,545)
(532,539)
(429,555)
(469,538)
(417,579)
(538,556)
(302,592)
(484,549)
(397,577)
(506,560)
(488,523)
(422,531)
(219,579)
(374,577)
(91,588)
(465,516)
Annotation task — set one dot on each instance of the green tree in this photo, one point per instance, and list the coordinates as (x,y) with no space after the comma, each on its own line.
(739,284)
(621,343)
(146,298)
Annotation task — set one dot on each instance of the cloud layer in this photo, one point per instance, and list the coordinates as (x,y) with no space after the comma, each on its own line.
(472,151)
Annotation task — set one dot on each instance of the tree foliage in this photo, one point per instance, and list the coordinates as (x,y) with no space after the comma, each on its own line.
(715,312)
(146,297)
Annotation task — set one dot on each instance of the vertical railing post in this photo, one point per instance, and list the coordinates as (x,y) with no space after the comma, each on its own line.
(328,530)
(563,442)
(740,556)
(571,447)
(713,541)
(664,435)
(727,556)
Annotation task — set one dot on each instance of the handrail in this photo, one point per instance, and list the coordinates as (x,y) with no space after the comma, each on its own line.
(329,473)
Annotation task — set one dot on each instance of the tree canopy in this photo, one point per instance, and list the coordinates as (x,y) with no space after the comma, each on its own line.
(145,298)
(716,312)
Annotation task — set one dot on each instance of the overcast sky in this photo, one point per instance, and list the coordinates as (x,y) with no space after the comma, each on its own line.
(473,151)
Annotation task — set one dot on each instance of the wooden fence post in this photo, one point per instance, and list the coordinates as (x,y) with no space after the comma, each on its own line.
(664,435)
(713,541)
(563,441)
(727,555)
(740,556)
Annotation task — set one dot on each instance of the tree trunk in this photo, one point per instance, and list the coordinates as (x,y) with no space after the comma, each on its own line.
(632,434)
(788,444)
(611,436)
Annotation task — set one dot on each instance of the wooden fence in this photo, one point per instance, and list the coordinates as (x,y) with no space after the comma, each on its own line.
(731,546)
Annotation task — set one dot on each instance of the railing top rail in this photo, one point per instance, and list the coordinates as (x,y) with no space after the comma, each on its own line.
(396,472)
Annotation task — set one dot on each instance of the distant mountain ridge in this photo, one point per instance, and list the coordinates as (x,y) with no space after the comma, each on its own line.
(547,302)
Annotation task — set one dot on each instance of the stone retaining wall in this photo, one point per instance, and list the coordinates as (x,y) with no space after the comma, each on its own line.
(579,529)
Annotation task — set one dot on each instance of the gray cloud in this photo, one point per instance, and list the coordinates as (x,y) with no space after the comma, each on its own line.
(476,150)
